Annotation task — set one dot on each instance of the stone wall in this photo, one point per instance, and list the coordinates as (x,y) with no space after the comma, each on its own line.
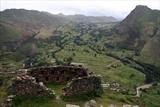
(84,85)
(79,81)
(27,85)
(59,74)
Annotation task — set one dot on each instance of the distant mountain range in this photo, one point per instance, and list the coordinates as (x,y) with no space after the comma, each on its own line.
(139,31)
(36,19)
(27,21)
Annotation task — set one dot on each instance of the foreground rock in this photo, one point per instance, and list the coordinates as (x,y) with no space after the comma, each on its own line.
(91,103)
(71,105)
(8,101)
(27,85)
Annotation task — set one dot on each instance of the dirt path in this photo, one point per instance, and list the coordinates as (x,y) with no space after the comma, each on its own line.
(142,87)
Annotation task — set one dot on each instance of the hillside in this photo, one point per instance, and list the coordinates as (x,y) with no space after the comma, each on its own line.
(33,20)
(126,54)
(17,24)
(139,32)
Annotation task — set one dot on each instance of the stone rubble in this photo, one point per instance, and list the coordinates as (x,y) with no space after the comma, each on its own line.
(8,102)
(124,105)
(85,85)
(27,85)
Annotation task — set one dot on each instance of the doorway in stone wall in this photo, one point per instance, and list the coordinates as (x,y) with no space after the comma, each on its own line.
(57,87)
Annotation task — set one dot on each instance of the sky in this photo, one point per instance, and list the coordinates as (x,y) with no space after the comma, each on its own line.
(116,8)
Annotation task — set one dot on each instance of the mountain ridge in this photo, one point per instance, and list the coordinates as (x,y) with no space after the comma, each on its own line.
(139,31)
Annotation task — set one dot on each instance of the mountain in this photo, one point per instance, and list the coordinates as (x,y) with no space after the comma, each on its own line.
(140,31)
(91,19)
(36,20)
(19,24)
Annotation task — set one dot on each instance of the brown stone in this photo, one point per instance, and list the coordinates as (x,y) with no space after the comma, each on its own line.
(84,85)
(59,74)
(27,85)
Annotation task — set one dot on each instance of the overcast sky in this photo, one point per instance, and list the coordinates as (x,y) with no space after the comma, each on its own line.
(115,8)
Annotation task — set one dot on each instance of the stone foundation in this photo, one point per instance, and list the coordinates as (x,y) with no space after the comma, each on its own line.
(59,74)
(84,85)
(27,85)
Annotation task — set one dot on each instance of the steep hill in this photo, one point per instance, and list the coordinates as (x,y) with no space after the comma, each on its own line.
(140,31)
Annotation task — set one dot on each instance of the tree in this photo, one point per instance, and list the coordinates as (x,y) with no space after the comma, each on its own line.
(68,60)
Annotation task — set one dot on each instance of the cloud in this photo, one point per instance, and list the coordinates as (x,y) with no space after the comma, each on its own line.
(116,8)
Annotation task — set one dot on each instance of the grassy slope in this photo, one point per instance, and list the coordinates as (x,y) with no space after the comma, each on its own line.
(121,74)
(9,32)
(151,97)
(98,65)
(4,87)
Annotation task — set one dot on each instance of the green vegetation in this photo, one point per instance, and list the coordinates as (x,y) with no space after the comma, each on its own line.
(151,97)
(92,44)
(5,82)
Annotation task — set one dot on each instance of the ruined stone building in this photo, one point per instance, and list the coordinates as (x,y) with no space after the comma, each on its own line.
(59,74)
(27,85)
(78,80)
(84,85)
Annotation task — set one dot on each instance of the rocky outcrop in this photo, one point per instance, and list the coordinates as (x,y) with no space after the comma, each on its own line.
(27,85)
(84,85)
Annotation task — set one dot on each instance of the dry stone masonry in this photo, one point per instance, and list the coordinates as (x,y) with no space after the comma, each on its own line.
(30,81)
(84,85)
(59,74)
(27,85)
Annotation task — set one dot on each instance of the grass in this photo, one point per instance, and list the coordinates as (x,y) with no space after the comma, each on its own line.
(151,97)
(126,76)
(106,99)
(10,62)
(121,74)
(4,88)
(37,102)
(56,87)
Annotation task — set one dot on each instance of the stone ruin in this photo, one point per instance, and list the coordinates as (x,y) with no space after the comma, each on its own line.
(27,85)
(30,82)
(84,85)
(58,74)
